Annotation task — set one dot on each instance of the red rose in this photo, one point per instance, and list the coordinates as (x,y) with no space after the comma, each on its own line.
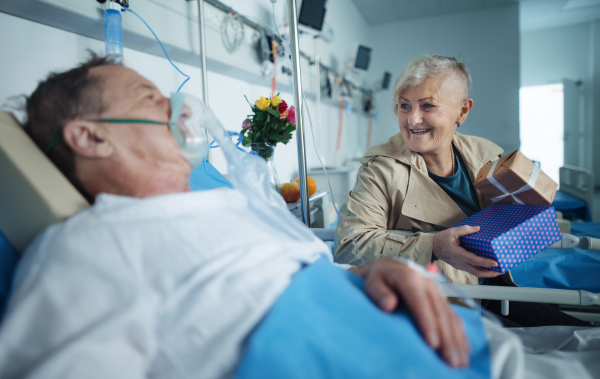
(282,106)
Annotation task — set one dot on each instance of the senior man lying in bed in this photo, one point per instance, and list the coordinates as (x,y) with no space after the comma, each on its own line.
(154,280)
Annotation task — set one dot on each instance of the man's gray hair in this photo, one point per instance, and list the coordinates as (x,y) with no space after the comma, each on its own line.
(429,66)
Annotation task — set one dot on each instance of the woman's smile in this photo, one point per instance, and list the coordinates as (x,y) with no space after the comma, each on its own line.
(420,131)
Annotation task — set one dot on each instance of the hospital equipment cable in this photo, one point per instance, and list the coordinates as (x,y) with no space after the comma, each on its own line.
(161,45)
(312,132)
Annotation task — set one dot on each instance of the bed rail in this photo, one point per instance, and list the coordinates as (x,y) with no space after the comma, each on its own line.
(577,182)
(507,294)
(567,241)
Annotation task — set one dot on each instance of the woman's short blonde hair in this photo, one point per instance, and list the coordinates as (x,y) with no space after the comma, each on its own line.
(429,66)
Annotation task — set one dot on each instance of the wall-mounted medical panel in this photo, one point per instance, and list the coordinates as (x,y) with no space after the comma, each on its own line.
(174,22)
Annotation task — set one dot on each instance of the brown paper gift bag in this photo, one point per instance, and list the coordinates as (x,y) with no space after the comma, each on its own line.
(513,172)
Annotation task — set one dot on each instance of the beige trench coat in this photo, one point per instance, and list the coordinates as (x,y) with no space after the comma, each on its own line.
(394,192)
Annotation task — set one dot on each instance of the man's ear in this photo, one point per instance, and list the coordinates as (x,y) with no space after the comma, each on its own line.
(465,108)
(88,139)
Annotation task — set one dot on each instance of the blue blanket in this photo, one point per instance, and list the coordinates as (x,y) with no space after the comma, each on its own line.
(573,269)
(8,263)
(323,326)
(571,207)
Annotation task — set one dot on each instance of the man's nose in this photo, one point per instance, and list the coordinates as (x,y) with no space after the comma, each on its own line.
(164,103)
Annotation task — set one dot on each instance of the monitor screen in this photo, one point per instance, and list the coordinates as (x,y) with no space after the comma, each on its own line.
(363,57)
(386,80)
(312,13)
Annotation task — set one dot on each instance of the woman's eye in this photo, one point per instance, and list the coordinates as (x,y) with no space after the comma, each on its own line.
(404,106)
(427,106)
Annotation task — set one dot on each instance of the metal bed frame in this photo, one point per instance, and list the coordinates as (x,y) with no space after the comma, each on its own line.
(577,182)
(582,304)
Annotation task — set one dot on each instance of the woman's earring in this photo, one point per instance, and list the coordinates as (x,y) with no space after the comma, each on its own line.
(457,124)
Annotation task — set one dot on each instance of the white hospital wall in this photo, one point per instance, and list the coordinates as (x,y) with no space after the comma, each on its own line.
(571,52)
(487,41)
(548,56)
(33,50)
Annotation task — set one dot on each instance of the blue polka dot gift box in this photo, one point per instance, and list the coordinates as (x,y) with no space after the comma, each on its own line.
(511,233)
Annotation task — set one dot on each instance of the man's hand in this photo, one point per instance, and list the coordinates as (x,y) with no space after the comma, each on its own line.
(386,279)
(446,246)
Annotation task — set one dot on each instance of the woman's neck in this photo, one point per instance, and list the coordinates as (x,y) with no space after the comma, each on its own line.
(440,163)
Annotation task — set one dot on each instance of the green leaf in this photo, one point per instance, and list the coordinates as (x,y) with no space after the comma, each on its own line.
(290,128)
(275,136)
(268,117)
(251,106)
(246,141)
(273,112)
(260,116)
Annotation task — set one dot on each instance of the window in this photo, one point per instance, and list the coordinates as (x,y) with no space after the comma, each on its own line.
(542,126)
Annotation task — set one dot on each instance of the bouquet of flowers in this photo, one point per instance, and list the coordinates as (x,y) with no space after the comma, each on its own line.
(271,122)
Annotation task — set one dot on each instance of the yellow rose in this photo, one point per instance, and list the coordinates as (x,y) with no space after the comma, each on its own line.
(276,101)
(263,103)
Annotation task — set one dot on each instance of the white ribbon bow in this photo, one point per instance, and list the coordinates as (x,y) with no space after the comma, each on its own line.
(530,184)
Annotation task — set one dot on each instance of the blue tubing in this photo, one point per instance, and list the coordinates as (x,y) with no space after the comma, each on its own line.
(163,48)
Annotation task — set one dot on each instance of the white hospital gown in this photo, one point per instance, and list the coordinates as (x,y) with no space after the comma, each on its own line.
(161,287)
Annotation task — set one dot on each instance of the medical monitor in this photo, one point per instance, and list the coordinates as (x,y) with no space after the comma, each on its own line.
(311,15)
(362,57)
(385,83)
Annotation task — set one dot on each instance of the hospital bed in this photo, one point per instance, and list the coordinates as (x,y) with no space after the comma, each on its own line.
(553,276)
(572,298)
(575,197)
(35,194)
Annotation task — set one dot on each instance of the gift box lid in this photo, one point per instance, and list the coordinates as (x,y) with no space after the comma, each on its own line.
(513,172)
(530,227)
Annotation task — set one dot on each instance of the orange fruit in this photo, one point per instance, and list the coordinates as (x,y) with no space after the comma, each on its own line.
(312,185)
(290,192)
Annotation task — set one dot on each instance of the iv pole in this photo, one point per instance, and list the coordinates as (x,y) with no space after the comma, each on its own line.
(299,111)
(203,62)
(318,88)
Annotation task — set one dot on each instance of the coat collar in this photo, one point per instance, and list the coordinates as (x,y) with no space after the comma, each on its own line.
(425,200)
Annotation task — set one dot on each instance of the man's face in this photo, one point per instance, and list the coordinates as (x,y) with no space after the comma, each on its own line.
(149,152)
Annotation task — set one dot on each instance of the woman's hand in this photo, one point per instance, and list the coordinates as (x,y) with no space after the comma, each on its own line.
(446,246)
(388,281)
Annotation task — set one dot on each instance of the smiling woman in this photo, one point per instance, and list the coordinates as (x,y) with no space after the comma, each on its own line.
(420,180)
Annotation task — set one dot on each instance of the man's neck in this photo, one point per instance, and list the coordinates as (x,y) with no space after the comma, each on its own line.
(120,180)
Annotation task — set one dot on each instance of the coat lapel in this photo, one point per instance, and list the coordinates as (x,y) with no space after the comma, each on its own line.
(426,201)
(475,156)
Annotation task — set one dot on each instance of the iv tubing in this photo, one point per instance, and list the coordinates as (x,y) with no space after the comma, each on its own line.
(163,48)
(369,130)
(339,133)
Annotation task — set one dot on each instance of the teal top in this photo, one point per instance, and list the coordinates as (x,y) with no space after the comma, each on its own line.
(459,187)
